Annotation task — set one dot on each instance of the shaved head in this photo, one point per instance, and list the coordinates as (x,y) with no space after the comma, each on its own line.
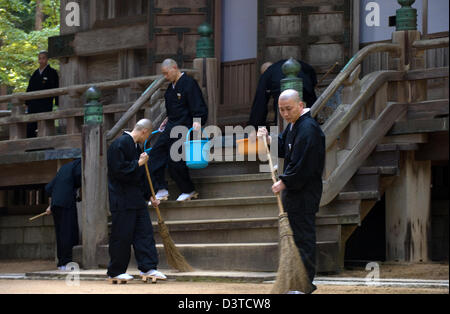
(169,63)
(290,105)
(170,70)
(265,66)
(290,94)
(144,124)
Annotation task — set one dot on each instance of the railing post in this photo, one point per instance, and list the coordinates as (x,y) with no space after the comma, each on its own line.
(94,181)
(408,198)
(17,130)
(206,64)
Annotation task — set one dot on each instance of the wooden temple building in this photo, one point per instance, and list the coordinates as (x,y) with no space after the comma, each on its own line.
(386,176)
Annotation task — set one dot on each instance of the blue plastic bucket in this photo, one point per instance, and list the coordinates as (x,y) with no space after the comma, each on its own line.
(196,152)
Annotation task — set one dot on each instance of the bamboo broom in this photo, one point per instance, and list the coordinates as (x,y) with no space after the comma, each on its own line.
(291,275)
(173,255)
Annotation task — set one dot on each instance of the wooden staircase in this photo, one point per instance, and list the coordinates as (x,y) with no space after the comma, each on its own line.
(234,224)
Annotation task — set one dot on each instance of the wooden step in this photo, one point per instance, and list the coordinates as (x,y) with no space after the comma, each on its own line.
(225,256)
(229,186)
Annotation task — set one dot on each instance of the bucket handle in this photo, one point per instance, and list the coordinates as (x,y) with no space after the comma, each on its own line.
(189,133)
(149,138)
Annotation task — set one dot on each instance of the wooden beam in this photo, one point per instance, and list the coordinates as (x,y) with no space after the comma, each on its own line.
(43,143)
(40,172)
(419,126)
(428,109)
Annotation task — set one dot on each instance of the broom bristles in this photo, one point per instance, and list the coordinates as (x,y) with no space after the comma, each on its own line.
(292,275)
(173,255)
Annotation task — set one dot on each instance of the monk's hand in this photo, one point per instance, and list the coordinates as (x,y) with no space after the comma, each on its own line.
(196,126)
(48,211)
(143,159)
(154,202)
(262,132)
(163,125)
(278,187)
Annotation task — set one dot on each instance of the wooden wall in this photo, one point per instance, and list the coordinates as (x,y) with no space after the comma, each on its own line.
(172,30)
(317,32)
(238,87)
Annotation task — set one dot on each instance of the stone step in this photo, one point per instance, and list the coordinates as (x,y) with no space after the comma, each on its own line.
(229,186)
(253,207)
(219,208)
(232,166)
(230,257)
(252,230)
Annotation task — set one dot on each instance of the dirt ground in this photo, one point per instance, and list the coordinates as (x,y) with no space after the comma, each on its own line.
(396,270)
(173,287)
(430,271)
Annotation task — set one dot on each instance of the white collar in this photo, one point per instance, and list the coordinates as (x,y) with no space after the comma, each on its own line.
(306,110)
(174,84)
(40,72)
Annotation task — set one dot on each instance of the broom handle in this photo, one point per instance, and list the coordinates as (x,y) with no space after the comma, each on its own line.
(274,179)
(158,213)
(36,217)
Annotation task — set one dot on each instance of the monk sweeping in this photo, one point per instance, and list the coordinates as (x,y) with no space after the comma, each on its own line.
(128,196)
(302,145)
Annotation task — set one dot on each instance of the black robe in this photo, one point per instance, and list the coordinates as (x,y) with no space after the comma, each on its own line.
(303,150)
(269,86)
(47,80)
(185,102)
(127,182)
(62,190)
(129,193)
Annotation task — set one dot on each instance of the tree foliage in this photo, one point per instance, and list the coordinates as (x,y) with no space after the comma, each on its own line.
(20,43)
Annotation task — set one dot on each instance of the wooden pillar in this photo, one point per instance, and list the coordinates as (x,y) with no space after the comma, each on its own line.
(408,212)
(94,187)
(408,198)
(209,81)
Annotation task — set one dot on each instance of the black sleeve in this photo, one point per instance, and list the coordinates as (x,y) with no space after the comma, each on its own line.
(120,168)
(76,173)
(281,142)
(30,88)
(304,161)
(196,103)
(49,187)
(258,114)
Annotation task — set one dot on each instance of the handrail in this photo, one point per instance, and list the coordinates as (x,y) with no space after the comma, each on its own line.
(76,89)
(59,114)
(135,107)
(431,43)
(81,88)
(345,171)
(375,81)
(348,69)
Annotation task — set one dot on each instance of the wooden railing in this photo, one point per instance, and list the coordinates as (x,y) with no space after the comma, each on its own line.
(348,70)
(116,116)
(367,114)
